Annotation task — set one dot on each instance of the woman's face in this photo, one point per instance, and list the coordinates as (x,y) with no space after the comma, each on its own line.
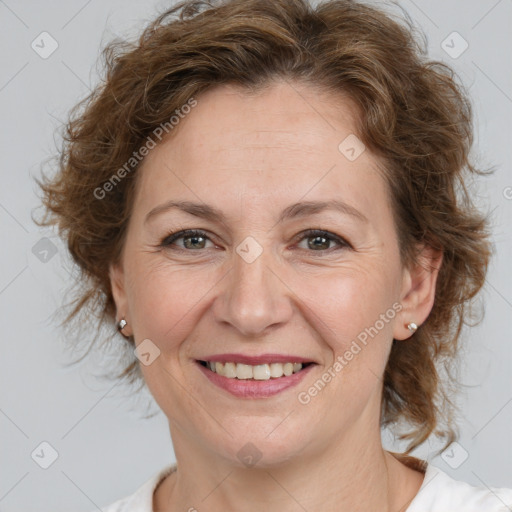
(254,283)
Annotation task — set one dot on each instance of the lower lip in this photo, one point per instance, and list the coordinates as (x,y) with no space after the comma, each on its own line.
(255,388)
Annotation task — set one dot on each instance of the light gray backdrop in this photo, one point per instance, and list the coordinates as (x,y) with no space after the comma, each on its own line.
(102,448)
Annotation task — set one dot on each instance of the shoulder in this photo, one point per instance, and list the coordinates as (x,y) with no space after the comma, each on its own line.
(440,492)
(142,499)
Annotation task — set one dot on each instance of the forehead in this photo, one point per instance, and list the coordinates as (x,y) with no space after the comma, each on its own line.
(282,141)
(294,112)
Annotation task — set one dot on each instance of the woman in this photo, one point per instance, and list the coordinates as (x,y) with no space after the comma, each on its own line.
(264,197)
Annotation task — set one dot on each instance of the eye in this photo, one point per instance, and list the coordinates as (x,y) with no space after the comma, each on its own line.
(194,239)
(321,240)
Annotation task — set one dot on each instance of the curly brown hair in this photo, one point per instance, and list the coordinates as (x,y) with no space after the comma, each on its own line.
(413,113)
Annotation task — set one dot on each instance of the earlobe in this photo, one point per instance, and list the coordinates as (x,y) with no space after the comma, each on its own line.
(117,286)
(418,292)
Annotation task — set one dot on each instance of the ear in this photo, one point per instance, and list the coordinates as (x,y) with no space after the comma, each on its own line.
(117,285)
(418,291)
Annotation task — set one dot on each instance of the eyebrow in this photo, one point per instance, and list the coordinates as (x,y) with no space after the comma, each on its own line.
(295,210)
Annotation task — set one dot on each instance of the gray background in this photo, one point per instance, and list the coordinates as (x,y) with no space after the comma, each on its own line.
(105,448)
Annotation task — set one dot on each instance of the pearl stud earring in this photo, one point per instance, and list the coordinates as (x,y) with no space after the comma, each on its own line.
(412,327)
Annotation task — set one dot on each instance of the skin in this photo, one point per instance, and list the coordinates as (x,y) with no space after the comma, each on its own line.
(251,156)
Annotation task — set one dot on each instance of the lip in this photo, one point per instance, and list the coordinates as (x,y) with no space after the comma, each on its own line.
(254,388)
(254,360)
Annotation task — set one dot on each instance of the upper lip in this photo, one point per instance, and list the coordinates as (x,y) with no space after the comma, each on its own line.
(255,360)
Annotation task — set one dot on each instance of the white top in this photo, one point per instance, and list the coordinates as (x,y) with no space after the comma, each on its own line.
(438,493)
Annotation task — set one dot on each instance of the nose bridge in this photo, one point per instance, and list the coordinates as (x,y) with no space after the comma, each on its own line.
(255,298)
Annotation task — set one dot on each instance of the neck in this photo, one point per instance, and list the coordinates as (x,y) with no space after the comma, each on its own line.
(338,478)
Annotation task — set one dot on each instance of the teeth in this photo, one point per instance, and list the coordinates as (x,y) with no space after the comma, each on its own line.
(287,369)
(261,372)
(230,370)
(276,370)
(257,372)
(243,371)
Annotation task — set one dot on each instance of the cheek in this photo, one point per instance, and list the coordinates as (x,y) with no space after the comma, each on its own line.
(354,314)
(165,301)
(165,306)
(348,301)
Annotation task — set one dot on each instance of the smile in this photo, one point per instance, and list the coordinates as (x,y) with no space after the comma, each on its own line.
(256,372)
(254,381)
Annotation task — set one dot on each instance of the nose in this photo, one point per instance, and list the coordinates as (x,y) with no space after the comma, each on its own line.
(255,298)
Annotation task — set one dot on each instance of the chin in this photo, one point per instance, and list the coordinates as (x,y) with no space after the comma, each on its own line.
(262,442)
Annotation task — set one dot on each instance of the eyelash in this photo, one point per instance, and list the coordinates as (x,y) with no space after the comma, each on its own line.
(310,233)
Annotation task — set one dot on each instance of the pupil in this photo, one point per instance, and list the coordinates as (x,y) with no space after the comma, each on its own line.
(195,238)
(324,241)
